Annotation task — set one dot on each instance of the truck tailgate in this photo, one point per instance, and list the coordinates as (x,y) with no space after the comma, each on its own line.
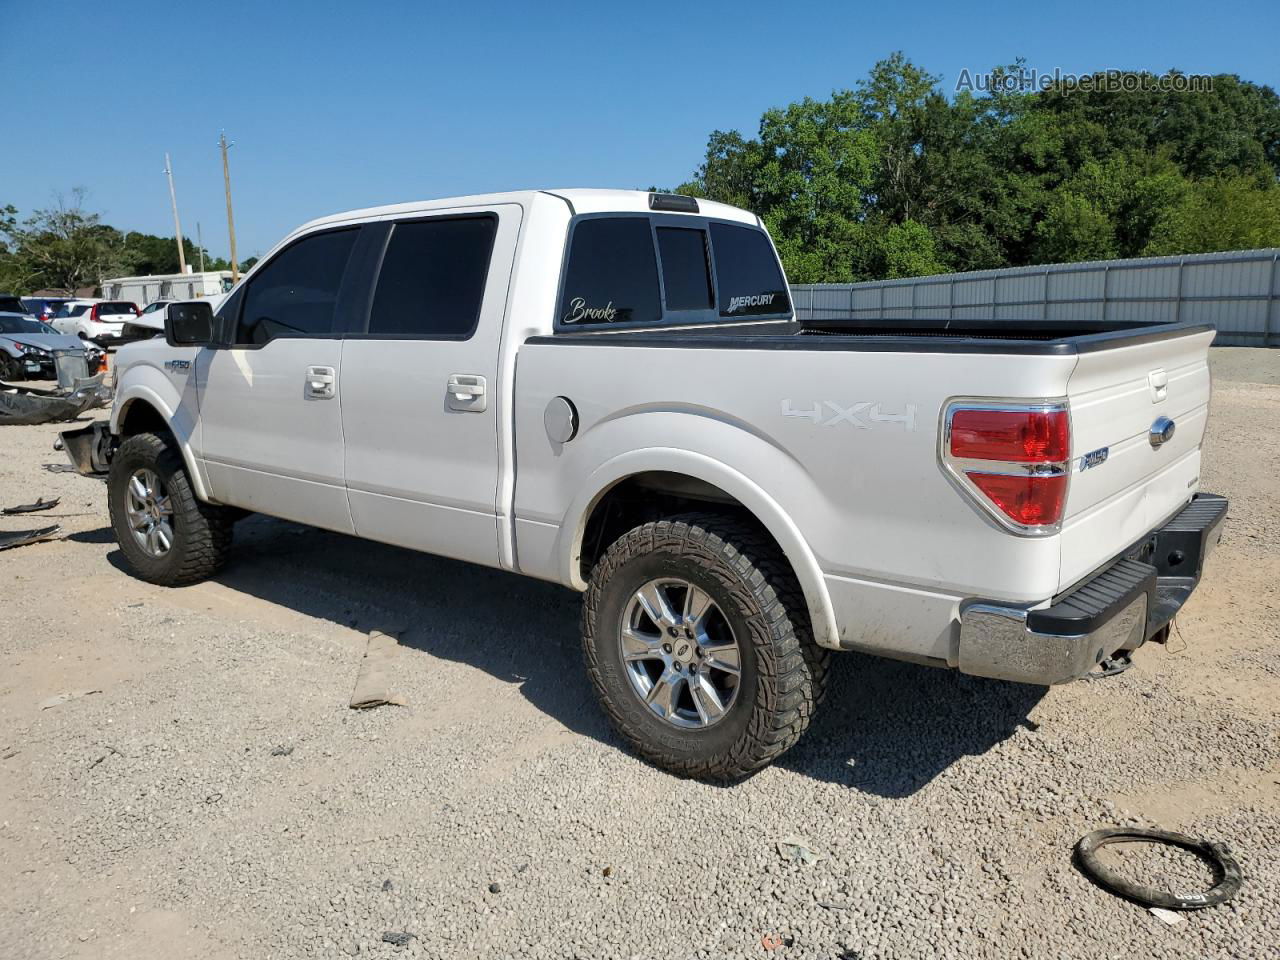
(1122,484)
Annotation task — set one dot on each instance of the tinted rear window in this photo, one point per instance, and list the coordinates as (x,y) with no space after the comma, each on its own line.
(432,278)
(686,275)
(748,278)
(11,305)
(107,309)
(612,275)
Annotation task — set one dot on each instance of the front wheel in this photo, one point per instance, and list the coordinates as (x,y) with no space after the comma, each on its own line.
(168,536)
(696,639)
(10,368)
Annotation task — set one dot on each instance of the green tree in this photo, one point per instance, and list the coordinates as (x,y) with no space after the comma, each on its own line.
(1227,213)
(63,247)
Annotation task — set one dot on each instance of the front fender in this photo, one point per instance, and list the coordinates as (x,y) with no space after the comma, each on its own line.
(733,482)
(175,400)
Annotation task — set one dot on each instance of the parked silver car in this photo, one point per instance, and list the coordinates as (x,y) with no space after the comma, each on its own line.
(27,348)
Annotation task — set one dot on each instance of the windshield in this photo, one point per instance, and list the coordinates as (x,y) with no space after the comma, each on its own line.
(23,325)
(11,305)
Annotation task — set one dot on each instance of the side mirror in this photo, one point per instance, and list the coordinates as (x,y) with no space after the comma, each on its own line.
(188,324)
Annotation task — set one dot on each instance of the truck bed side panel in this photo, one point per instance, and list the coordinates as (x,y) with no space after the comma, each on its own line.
(845,442)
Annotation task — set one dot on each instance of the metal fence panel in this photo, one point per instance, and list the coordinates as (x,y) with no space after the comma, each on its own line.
(1239,292)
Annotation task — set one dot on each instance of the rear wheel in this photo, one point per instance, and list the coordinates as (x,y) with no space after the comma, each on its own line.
(697,641)
(168,536)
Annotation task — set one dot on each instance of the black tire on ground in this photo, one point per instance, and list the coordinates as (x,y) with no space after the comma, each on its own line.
(10,369)
(201,532)
(783,672)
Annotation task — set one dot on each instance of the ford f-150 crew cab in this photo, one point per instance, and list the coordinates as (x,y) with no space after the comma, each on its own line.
(610,390)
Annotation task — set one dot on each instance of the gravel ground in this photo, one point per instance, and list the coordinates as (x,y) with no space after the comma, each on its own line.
(217,798)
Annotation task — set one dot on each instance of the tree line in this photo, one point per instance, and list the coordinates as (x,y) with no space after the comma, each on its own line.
(67,247)
(894,178)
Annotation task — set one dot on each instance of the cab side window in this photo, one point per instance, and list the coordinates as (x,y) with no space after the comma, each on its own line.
(432,278)
(295,295)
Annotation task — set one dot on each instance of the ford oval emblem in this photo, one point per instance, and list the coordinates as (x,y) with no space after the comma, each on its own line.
(1161,432)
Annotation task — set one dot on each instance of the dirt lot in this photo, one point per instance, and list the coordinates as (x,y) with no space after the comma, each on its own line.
(217,798)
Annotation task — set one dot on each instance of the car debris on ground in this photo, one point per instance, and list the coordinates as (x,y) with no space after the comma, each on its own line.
(377,674)
(21,405)
(797,848)
(39,505)
(1217,855)
(62,698)
(21,538)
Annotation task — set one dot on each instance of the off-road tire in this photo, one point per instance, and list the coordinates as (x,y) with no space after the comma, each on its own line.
(202,532)
(784,672)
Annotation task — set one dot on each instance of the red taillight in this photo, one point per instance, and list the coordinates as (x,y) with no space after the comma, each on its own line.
(1028,500)
(1013,461)
(1035,436)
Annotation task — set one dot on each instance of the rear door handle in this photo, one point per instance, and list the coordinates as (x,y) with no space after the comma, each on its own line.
(321,383)
(466,391)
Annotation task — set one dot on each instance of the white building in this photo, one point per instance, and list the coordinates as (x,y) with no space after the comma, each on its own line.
(172,286)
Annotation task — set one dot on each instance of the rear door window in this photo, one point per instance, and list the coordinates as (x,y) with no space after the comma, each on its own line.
(612,276)
(432,279)
(748,279)
(295,295)
(686,274)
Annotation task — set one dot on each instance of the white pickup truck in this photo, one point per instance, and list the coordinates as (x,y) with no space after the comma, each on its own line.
(609,390)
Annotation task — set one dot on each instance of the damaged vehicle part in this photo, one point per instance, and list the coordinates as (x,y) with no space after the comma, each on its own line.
(1217,855)
(31,349)
(20,538)
(40,504)
(24,406)
(89,448)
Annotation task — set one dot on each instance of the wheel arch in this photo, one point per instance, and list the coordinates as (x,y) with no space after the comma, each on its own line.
(142,409)
(687,475)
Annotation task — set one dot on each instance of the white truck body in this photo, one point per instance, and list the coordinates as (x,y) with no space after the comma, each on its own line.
(499,447)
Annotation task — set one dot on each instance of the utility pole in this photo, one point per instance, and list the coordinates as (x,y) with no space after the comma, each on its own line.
(177,224)
(200,244)
(231,223)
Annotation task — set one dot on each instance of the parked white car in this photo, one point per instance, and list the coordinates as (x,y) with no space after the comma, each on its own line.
(101,321)
(608,389)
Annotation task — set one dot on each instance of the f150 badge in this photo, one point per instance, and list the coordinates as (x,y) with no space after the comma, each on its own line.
(863,415)
(1095,458)
(176,365)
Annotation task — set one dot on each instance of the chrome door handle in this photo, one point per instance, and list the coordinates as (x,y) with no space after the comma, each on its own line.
(321,383)
(466,391)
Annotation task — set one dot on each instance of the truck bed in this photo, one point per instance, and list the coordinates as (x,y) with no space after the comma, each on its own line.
(1040,337)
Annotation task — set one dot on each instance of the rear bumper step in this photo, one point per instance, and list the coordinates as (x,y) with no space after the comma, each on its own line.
(1118,609)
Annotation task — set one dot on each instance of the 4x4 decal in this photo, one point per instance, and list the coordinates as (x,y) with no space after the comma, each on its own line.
(863,415)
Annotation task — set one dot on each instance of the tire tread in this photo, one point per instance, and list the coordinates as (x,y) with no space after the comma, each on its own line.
(793,669)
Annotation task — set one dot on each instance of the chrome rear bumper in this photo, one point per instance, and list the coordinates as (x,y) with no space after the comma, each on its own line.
(1118,609)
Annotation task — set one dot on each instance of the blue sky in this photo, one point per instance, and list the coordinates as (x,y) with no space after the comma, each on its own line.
(341,105)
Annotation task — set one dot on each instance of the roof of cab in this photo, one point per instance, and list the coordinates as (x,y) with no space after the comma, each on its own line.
(580,200)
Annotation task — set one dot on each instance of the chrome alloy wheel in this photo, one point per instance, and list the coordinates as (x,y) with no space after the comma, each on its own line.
(680,653)
(150,512)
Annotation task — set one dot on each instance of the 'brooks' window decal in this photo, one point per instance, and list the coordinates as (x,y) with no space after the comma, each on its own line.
(579,312)
(612,275)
